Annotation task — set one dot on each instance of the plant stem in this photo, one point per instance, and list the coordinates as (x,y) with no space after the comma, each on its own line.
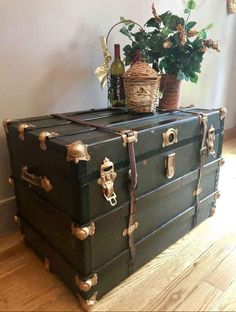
(187,19)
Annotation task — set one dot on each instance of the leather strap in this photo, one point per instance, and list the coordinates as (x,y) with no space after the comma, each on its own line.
(203,151)
(87,123)
(133,177)
(132,208)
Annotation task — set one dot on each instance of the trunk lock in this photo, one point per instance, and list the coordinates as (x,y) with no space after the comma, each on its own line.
(106,180)
(210,141)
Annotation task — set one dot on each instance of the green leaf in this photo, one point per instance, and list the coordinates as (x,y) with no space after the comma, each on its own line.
(165,32)
(190,25)
(125,20)
(125,31)
(197,43)
(194,77)
(152,23)
(181,75)
(202,34)
(128,48)
(130,27)
(191,4)
(177,39)
(210,26)
(187,11)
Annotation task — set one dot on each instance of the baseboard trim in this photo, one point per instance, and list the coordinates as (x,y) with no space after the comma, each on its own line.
(7,212)
(230,134)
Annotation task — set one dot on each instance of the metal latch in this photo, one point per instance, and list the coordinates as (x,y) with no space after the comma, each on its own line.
(131,229)
(170,164)
(170,137)
(106,180)
(86,285)
(83,232)
(128,136)
(210,141)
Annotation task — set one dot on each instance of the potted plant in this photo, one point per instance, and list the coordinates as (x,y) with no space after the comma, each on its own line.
(173,46)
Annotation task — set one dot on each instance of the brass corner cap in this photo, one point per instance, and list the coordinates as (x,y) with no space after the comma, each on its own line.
(223,112)
(89,303)
(5,124)
(77,151)
(86,285)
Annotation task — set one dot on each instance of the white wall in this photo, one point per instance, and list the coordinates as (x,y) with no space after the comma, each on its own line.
(49,50)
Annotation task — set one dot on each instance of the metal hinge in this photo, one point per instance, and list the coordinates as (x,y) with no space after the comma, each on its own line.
(43,136)
(83,232)
(106,180)
(86,285)
(22,128)
(89,303)
(131,229)
(128,136)
(77,151)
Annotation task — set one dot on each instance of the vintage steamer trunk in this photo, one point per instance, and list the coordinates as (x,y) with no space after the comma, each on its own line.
(75,182)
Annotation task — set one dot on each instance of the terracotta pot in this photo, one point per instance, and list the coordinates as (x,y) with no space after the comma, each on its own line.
(170,87)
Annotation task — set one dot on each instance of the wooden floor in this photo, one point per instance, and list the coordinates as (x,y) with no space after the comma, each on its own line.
(198,273)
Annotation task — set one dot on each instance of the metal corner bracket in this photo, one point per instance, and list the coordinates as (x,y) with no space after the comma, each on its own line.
(21,129)
(89,303)
(213,211)
(83,232)
(223,112)
(5,124)
(221,162)
(77,151)
(217,195)
(47,263)
(85,286)
(43,136)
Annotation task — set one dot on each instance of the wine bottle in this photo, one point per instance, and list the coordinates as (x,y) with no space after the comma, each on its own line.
(116,92)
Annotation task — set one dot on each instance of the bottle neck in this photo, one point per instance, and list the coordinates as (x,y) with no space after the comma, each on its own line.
(117,51)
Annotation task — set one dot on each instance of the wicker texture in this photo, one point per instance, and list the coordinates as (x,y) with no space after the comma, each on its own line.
(142,84)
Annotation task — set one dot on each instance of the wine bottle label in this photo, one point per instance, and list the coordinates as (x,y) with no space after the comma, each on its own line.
(116,91)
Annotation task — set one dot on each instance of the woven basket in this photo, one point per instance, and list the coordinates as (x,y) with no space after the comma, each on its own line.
(142,84)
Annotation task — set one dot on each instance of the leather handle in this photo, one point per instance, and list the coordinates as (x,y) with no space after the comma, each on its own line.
(41,182)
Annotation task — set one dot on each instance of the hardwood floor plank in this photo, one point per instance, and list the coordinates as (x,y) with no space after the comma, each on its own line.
(223,275)
(227,302)
(201,298)
(180,288)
